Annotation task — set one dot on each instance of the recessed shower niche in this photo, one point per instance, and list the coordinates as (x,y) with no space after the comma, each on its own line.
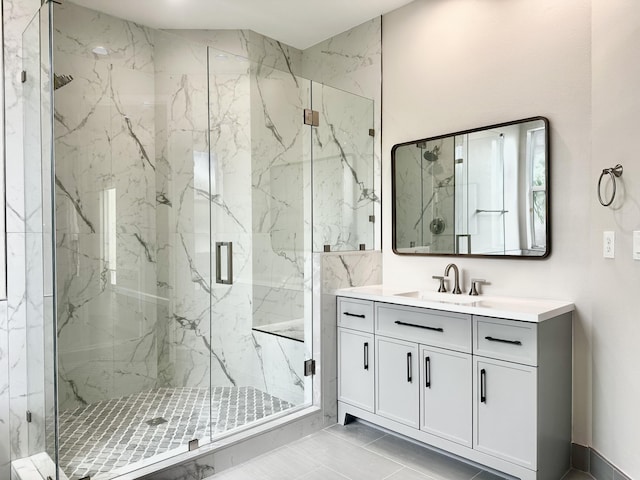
(180,198)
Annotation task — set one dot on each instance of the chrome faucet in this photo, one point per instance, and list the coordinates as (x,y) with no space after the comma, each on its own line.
(456,278)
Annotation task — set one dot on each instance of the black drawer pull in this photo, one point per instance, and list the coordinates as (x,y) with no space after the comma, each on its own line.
(409,369)
(353,315)
(435,329)
(483,386)
(427,372)
(366,355)
(511,342)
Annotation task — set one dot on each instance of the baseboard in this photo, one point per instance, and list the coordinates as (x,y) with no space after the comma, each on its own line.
(589,460)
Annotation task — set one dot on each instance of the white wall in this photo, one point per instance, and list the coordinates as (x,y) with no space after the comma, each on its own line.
(616,325)
(450,65)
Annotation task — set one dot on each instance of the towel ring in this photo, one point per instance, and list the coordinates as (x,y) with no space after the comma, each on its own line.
(613,173)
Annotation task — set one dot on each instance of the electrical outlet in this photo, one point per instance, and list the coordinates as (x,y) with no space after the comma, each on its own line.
(608,244)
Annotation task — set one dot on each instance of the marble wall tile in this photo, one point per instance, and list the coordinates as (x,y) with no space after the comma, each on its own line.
(17,329)
(343,161)
(35,331)
(333,271)
(266,51)
(79,30)
(351,61)
(16,17)
(5,431)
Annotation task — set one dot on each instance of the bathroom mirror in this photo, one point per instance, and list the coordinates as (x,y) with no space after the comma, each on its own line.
(480,192)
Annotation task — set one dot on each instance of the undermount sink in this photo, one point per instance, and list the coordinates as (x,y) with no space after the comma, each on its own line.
(439,297)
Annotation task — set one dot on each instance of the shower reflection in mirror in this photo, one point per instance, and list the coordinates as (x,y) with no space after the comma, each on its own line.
(480,192)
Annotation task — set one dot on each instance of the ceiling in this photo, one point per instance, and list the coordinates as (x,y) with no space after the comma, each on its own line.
(299,23)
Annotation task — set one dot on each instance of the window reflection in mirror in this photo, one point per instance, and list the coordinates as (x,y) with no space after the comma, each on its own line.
(480,192)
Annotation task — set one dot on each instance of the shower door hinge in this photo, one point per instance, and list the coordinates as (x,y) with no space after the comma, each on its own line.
(29,416)
(193,444)
(372,218)
(23,76)
(311,117)
(372,132)
(309,367)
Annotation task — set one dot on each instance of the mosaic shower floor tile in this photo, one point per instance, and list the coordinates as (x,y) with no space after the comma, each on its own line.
(114,433)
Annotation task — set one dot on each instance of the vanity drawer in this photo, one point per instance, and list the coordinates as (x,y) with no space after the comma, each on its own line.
(508,340)
(355,314)
(425,326)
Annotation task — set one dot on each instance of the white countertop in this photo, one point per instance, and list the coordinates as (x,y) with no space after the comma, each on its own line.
(525,309)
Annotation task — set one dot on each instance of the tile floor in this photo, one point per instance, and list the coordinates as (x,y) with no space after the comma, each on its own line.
(358,452)
(114,433)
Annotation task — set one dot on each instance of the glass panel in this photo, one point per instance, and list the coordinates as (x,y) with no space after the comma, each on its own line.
(486,204)
(133,255)
(276,244)
(33,240)
(343,193)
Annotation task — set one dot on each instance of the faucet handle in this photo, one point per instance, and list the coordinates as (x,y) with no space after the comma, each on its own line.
(474,282)
(442,287)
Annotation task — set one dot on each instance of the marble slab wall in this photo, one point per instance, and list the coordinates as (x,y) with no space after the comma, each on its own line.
(5,431)
(13,313)
(331,272)
(343,170)
(105,206)
(352,62)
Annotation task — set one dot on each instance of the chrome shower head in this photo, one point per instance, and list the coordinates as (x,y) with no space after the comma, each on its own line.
(60,81)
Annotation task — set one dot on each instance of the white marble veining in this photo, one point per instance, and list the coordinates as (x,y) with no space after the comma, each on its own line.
(525,309)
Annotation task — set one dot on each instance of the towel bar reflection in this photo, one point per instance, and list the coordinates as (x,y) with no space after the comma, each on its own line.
(613,173)
(229,263)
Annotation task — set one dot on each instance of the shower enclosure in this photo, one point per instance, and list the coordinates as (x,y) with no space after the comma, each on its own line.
(175,200)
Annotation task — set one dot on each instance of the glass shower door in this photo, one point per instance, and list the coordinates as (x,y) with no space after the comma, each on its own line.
(343,157)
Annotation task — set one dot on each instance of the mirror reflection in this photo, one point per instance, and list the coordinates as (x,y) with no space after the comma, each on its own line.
(480,192)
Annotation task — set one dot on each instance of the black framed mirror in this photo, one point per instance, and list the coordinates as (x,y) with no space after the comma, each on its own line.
(482,192)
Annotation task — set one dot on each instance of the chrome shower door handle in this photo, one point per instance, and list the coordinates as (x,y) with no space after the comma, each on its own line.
(228,280)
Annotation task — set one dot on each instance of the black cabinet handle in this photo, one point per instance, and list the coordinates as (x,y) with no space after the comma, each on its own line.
(409,373)
(366,355)
(427,372)
(353,315)
(511,342)
(483,386)
(435,329)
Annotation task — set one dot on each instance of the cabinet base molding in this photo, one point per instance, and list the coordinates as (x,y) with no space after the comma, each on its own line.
(449,447)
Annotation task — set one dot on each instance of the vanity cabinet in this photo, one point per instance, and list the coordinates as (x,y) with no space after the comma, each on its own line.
(355,357)
(494,390)
(356,353)
(505,410)
(445,394)
(397,380)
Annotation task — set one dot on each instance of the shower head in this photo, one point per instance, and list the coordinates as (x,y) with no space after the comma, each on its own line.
(60,81)
(432,155)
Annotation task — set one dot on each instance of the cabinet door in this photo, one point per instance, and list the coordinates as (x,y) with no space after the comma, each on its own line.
(355,368)
(397,380)
(445,394)
(505,413)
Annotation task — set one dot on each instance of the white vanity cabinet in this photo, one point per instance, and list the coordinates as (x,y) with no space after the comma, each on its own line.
(397,380)
(492,389)
(356,353)
(355,357)
(445,394)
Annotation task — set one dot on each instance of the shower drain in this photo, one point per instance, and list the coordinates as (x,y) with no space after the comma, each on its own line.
(156,421)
